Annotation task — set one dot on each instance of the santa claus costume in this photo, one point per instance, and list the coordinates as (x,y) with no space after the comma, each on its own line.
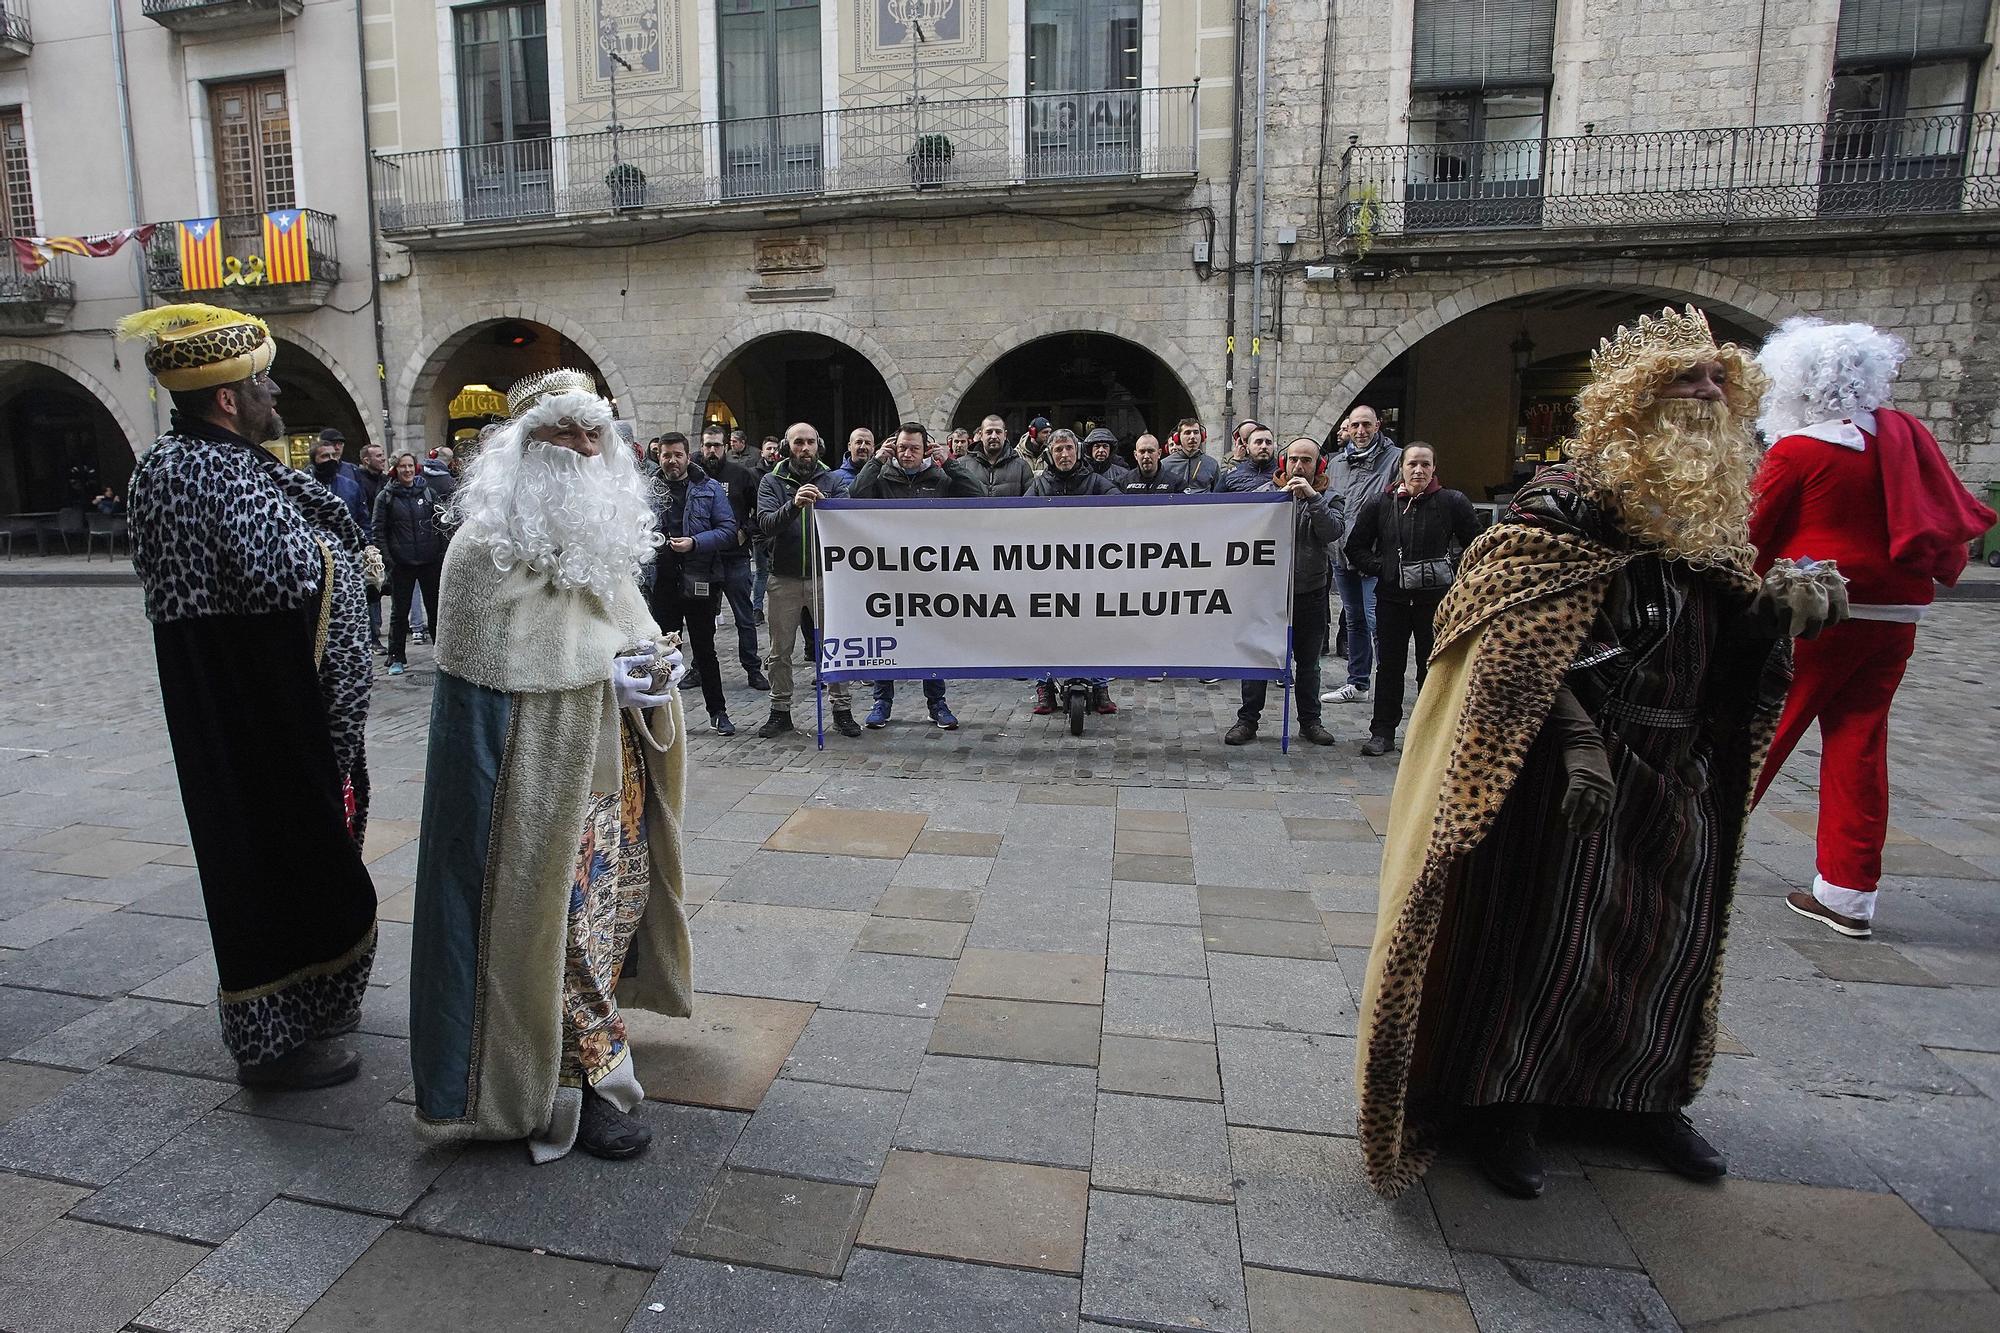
(1856,482)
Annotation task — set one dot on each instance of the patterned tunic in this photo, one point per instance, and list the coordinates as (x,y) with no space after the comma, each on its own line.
(607,898)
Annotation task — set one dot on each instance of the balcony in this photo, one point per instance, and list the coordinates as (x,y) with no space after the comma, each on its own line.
(16,40)
(34,300)
(1061,150)
(216,15)
(247,261)
(1877,178)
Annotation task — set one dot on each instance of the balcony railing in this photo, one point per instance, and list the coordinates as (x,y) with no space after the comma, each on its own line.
(35,300)
(252,266)
(1840,170)
(16,38)
(1042,138)
(209,15)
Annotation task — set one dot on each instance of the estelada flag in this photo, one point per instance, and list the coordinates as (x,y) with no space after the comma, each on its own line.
(201,254)
(285,257)
(34,251)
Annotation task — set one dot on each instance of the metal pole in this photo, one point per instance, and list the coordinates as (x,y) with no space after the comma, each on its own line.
(132,196)
(1257,215)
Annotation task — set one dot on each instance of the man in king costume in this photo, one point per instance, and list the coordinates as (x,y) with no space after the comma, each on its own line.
(1568,817)
(253,583)
(549,878)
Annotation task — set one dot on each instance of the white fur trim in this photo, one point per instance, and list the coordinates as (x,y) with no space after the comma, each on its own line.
(559,1135)
(1843,431)
(1902,615)
(1848,902)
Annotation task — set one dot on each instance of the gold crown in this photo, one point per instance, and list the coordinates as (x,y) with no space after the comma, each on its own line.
(1673,331)
(546,383)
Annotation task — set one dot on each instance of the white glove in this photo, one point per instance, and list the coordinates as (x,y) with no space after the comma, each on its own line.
(676,667)
(632,688)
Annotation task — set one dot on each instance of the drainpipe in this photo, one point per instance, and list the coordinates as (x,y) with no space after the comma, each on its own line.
(1235,186)
(374,245)
(132,198)
(1257,218)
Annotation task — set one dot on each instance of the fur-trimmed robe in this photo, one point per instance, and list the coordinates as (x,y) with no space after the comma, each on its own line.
(523,728)
(1507,633)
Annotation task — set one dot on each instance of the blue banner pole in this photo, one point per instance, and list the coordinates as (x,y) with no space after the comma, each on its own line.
(819,691)
(1285,727)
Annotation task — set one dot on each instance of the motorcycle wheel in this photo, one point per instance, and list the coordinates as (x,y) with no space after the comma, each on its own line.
(1079,704)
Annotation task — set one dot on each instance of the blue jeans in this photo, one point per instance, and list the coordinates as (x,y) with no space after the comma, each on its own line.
(885,692)
(762,580)
(735,572)
(1357,600)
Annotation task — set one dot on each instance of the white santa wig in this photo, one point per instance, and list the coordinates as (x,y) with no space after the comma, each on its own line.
(1825,372)
(587,522)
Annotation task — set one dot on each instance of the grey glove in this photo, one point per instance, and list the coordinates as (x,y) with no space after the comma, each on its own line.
(1798,601)
(1588,785)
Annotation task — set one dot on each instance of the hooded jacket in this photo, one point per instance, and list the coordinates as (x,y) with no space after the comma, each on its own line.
(1012,475)
(785,525)
(1079,480)
(1394,527)
(1361,479)
(407,523)
(881,480)
(705,515)
(1191,475)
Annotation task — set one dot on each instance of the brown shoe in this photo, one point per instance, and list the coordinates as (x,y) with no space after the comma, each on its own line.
(1814,910)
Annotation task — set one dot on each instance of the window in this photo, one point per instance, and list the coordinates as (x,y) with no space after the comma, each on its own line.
(20,213)
(503,108)
(770,58)
(1479,80)
(1083,87)
(1903,80)
(253,146)
(1460,45)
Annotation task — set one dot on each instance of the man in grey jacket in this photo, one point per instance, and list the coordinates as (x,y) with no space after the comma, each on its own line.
(1000,470)
(1368,465)
(1318,520)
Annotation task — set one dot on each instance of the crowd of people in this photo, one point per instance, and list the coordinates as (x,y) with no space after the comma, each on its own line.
(1611,686)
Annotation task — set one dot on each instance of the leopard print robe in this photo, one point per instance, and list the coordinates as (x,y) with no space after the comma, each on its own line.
(1506,634)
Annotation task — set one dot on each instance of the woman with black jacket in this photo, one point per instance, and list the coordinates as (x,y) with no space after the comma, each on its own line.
(410,535)
(1409,540)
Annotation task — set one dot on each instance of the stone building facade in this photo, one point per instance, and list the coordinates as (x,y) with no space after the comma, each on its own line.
(1074,256)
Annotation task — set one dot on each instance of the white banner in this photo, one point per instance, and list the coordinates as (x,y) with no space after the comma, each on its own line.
(1105,586)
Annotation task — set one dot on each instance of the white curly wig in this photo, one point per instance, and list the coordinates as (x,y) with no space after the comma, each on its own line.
(1825,372)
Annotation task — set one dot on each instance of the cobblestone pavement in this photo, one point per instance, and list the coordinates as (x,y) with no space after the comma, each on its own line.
(1001,1030)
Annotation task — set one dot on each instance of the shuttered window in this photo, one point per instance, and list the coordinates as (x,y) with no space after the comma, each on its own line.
(1467,44)
(253,146)
(1877,32)
(20,199)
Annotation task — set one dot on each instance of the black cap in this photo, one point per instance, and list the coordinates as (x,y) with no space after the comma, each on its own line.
(1039,423)
(331,436)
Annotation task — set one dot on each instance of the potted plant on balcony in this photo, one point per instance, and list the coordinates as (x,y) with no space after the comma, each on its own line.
(930,160)
(628,186)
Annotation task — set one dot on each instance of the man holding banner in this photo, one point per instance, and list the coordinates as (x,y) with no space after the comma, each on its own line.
(1318,520)
(785,500)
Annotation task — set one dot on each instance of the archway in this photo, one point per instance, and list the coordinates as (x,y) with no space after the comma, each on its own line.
(1079,379)
(773,381)
(312,398)
(469,387)
(59,445)
(1493,390)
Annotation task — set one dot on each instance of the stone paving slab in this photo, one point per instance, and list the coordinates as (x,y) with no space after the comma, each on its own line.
(1163,1262)
(98,1127)
(1283,1302)
(72,1277)
(780,1222)
(913,1294)
(266,1275)
(1005,1213)
(820,1131)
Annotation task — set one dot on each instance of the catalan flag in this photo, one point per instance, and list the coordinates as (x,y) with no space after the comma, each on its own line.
(201,254)
(285,257)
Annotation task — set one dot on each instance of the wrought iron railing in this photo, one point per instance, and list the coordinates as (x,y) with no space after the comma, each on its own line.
(243,260)
(14,23)
(1041,137)
(1843,169)
(155,8)
(46,282)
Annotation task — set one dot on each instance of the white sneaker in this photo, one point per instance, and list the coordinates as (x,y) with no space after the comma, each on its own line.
(1346,694)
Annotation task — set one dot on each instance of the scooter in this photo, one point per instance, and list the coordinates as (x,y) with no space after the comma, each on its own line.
(1075,692)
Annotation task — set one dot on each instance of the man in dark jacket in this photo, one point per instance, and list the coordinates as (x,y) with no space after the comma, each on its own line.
(1069,474)
(1259,469)
(1189,465)
(734,566)
(906,471)
(700,530)
(1101,448)
(409,531)
(785,498)
(860,449)
(374,476)
(1367,464)
(1146,476)
(343,479)
(1409,542)
(1318,519)
(1000,469)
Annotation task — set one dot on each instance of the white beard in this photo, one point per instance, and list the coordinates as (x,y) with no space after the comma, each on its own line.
(584,522)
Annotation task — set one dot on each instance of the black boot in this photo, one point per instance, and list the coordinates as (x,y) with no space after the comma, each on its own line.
(1377,745)
(844,723)
(1668,1136)
(1316,733)
(1240,734)
(758,680)
(605,1131)
(316,1064)
(1507,1152)
(775,725)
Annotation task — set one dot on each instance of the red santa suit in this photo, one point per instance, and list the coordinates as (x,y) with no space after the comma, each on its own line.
(1874,493)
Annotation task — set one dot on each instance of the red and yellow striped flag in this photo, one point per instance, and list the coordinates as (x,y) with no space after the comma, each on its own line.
(285,257)
(201,254)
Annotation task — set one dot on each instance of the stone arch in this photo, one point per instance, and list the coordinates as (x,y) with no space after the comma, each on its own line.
(1677,283)
(720,352)
(84,380)
(423,365)
(371,414)
(1167,349)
